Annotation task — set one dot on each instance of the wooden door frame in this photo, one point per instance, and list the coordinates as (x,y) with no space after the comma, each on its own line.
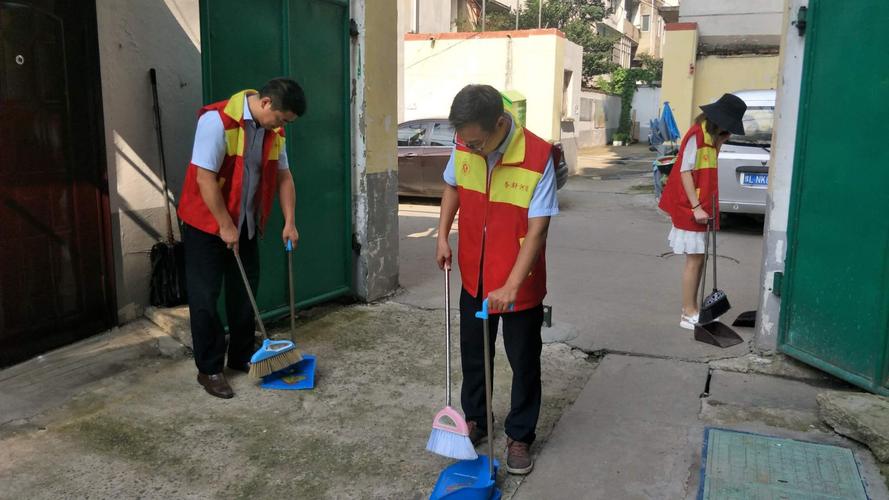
(97,118)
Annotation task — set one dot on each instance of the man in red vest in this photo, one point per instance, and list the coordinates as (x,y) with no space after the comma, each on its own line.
(238,164)
(501,178)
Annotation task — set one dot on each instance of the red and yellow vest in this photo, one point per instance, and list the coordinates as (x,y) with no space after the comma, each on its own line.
(494,215)
(192,209)
(674,201)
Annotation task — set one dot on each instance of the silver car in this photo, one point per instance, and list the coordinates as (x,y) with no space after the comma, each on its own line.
(744,159)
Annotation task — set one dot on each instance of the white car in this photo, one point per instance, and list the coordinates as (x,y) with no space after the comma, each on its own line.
(744,159)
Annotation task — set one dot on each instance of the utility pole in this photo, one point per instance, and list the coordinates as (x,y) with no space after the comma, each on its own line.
(518,9)
(484,13)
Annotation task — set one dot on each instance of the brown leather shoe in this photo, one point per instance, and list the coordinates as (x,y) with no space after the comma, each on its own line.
(216,385)
(476,433)
(518,457)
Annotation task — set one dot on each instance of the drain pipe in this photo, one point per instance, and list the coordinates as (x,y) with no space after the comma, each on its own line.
(539,13)
(484,13)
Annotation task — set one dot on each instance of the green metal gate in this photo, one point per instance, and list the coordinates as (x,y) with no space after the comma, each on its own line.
(244,44)
(835,300)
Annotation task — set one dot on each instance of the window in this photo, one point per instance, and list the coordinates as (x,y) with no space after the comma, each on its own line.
(757,127)
(442,135)
(646,22)
(411,134)
(586,109)
(566,93)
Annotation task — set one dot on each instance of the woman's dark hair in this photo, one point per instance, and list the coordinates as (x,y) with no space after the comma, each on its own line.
(712,127)
(480,104)
(286,95)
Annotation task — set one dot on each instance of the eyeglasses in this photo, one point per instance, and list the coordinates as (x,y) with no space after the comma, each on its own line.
(474,147)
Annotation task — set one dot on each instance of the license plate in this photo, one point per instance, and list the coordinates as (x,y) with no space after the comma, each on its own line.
(755,179)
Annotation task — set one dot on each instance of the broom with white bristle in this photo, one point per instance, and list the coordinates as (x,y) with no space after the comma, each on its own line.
(274,355)
(450,434)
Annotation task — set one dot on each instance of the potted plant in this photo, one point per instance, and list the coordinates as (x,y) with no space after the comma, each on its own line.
(620,139)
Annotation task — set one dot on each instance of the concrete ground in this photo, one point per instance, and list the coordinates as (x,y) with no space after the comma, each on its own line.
(141,427)
(613,282)
(636,430)
(627,393)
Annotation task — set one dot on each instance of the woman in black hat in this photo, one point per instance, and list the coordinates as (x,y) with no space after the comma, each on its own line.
(690,191)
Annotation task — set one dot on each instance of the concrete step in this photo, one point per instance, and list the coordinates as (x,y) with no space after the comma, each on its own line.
(174,321)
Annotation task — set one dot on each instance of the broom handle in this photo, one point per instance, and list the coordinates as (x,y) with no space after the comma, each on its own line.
(160,151)
(447,273)
(250,294)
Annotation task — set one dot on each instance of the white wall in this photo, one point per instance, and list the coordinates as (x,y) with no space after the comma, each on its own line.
(646,105)
(573,62)
(733,17)
(780,176)
(436,16)
(435,70)
(573,57)
(599,118)
(133,37)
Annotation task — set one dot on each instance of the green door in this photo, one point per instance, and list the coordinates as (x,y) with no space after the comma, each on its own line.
(243,45)
(835,304)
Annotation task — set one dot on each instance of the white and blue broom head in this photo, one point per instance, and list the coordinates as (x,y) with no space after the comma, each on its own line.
(450,436)
(274,355)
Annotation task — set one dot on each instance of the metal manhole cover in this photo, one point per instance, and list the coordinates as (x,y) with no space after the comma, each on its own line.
(741,466)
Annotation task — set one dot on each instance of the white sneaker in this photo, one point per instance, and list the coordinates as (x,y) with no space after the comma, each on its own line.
(688,322)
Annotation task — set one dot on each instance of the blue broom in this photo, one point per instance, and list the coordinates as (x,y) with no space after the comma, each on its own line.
(274,355)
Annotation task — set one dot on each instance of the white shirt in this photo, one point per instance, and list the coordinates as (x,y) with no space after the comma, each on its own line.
(544,202)
(689,156)
(209,151)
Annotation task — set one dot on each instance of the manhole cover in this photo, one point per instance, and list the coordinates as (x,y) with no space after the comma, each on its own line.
(739,465)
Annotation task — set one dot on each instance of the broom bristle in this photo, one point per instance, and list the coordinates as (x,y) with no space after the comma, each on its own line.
(451,444)
(275,363)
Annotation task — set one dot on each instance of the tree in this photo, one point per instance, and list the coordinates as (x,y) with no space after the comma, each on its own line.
(624,83)
(576,18)
(652,68)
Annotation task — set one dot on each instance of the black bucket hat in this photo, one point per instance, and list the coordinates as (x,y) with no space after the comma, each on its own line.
(727,113)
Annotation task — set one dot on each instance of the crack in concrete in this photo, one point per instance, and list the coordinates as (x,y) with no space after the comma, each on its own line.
(601,353)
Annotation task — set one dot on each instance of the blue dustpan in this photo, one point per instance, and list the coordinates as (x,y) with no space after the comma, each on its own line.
(467,480)
(300,376)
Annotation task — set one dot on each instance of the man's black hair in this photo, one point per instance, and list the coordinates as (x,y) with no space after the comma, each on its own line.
(480,104)
(286,95)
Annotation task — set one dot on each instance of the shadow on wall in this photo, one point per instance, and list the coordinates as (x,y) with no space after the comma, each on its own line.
(134,37)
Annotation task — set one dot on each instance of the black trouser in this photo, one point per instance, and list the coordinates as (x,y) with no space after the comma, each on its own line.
(207,262)
(521,336)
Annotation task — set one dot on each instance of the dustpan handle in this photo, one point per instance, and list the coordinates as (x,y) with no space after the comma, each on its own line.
(706,257)
(484,315)
(289,250)
(713,233)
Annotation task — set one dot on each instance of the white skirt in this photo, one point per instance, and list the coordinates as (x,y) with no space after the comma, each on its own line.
(682,241)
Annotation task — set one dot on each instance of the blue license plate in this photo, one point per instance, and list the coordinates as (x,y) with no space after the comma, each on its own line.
(755,179)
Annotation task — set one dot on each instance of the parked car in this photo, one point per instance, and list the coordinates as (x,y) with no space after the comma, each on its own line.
(424,147)
(744,159)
